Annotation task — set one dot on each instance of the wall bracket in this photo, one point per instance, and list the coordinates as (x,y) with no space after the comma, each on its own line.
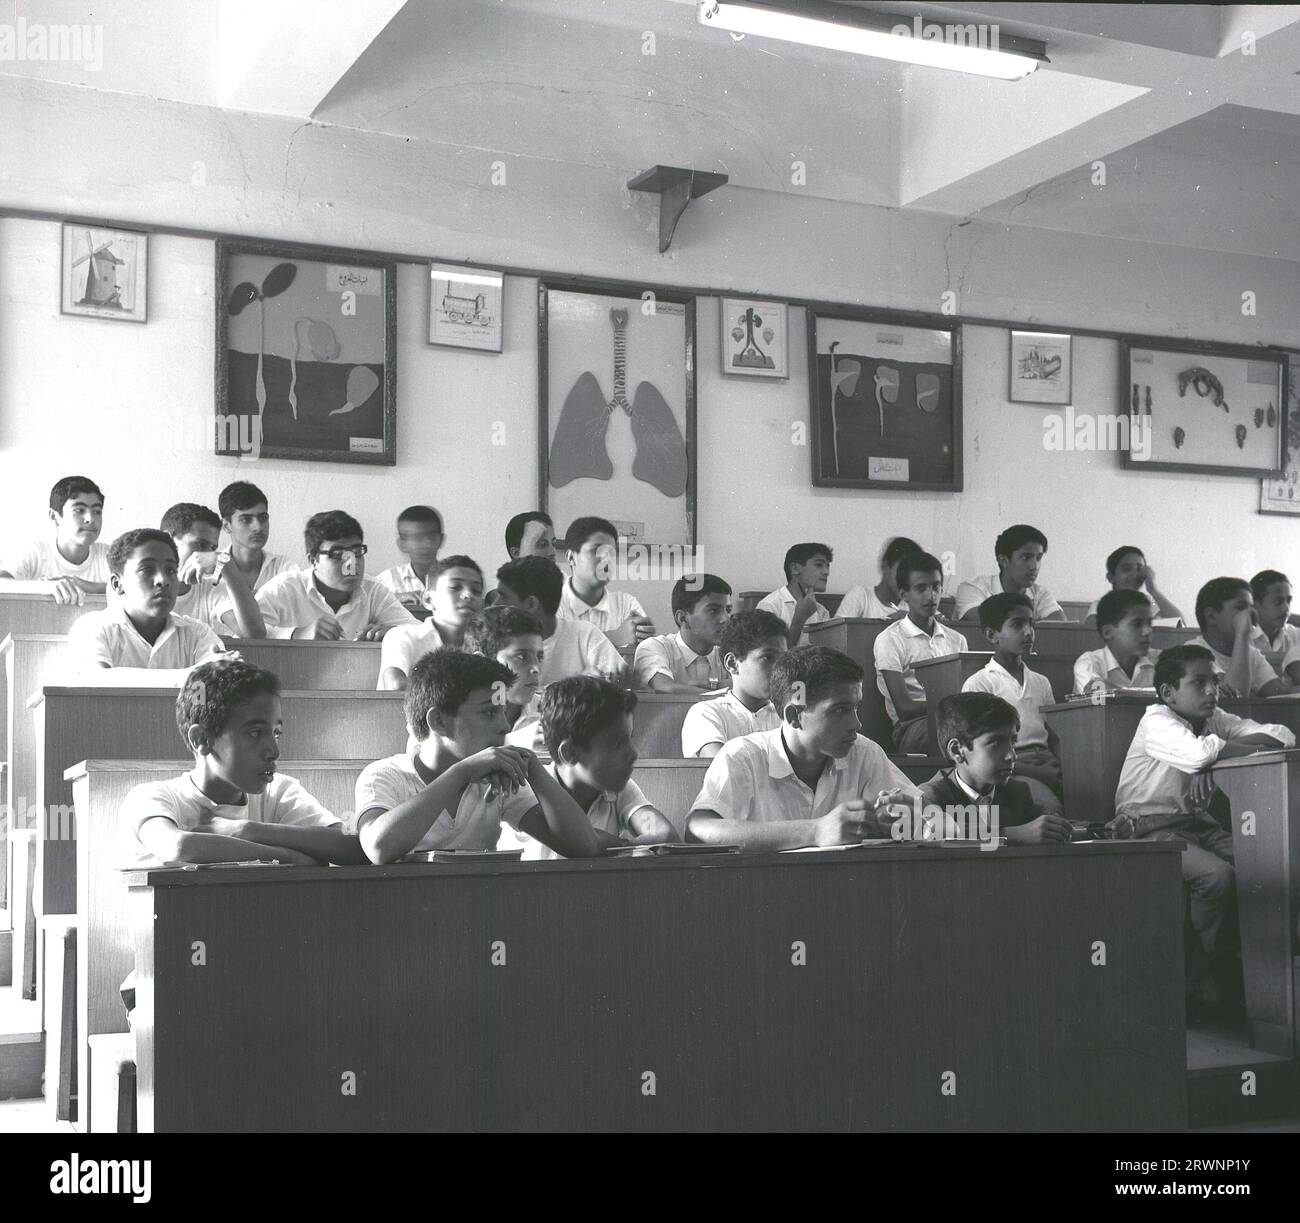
(676,187)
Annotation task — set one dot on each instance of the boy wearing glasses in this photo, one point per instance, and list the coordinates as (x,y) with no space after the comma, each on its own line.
(419,538)
(331,599)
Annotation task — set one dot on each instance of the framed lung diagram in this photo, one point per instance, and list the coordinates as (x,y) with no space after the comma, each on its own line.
(617,412)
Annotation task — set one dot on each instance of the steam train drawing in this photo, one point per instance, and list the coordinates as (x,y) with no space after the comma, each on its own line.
(472,310)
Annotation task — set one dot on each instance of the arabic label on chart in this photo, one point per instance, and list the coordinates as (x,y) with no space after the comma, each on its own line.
(369,281)
(888,469)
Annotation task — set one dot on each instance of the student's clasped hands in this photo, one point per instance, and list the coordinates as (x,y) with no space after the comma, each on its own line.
(507,768)
(859,819)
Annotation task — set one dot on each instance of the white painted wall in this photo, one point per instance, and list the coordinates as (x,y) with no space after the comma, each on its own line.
(126,403)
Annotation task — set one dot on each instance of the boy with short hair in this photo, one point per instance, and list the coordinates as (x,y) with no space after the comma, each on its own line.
(210,589)
(882,601)
(138,630)
(1008,622)
(570,647)
(1126,660)
(977,733)
(462,782)
(807,568)
(749,645)
(591,546)
(1275,636)
(1165,787)
(1225,610)
(904,643)
(814,780)
(331,599)
(513,637)
(419,537)
(1127,569)
(244,514)
(530,534)
(687,661)
(73,562)
(588,727)
(456,598)
(1019,551)
(233,806)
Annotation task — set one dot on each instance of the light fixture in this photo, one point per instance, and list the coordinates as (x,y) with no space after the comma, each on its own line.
(982,49)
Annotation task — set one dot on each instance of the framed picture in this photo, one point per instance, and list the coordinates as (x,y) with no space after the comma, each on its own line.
(885,404)
(105,273)
(616,403)
(755,341)
(1203,407)
(1282,496)
(306,353)
(1040,367)
(465,307)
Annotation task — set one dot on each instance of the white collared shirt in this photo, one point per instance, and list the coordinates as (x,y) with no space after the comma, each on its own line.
(721,720)
(1260,672)
(402,579)
(1102,665)
(41,560)
(1282,650)
(610,811)
(527,730)
(614,608)
(782,603)
(751,778)
(901,646)
(292,601)
(210,605)
(973,592)
(405,645)
(577,648)
(863,602)
(1166,754)
(385,784)
(108,638)
(1028,696)
(668,654)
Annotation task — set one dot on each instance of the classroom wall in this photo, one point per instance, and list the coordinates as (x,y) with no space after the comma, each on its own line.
(129,404)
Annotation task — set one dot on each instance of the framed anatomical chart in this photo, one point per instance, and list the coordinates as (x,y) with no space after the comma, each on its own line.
(306,353)
(885,404)
(616,397)
(1282,495)
(1203,407)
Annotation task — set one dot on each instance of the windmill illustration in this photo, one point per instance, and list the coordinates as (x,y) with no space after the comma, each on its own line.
(102,289)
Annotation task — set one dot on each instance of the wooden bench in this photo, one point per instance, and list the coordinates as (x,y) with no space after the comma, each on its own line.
(347,666)
(657,723)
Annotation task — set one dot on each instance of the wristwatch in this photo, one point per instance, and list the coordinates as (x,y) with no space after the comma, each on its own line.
(223,559)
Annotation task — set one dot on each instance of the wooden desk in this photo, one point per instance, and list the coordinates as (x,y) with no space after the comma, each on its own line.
(687,976)
(38,613)
(857,638)
(1064,639)
(657,723)
(1268,869)
(74,724)
(350,666)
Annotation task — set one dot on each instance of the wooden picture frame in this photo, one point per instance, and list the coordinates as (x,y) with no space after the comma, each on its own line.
(306,353)
(104,273)
(754,337)
(1040,367)
(1282,495)
(1196,406)
(647,486)
(868,370)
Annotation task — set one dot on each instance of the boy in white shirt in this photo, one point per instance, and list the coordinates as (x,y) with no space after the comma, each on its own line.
(1275,636)
(138,632)
(807,569)
(513,637)
(1126,660)
(1165,787)
(882,601)
(904,643)
(232,806)
(244,514)
(332,599)
(749,645)
(1127,569)
(457,597)
(813,781)
(687,661)
(456,711)
(588,727)
(1225,610)
(592,548)
(569,647)
(72,560)
(1019,551)
(1008,622)
(419,538)
(211,589)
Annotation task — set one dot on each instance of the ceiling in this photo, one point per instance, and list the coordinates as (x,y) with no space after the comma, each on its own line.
(1150,123)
